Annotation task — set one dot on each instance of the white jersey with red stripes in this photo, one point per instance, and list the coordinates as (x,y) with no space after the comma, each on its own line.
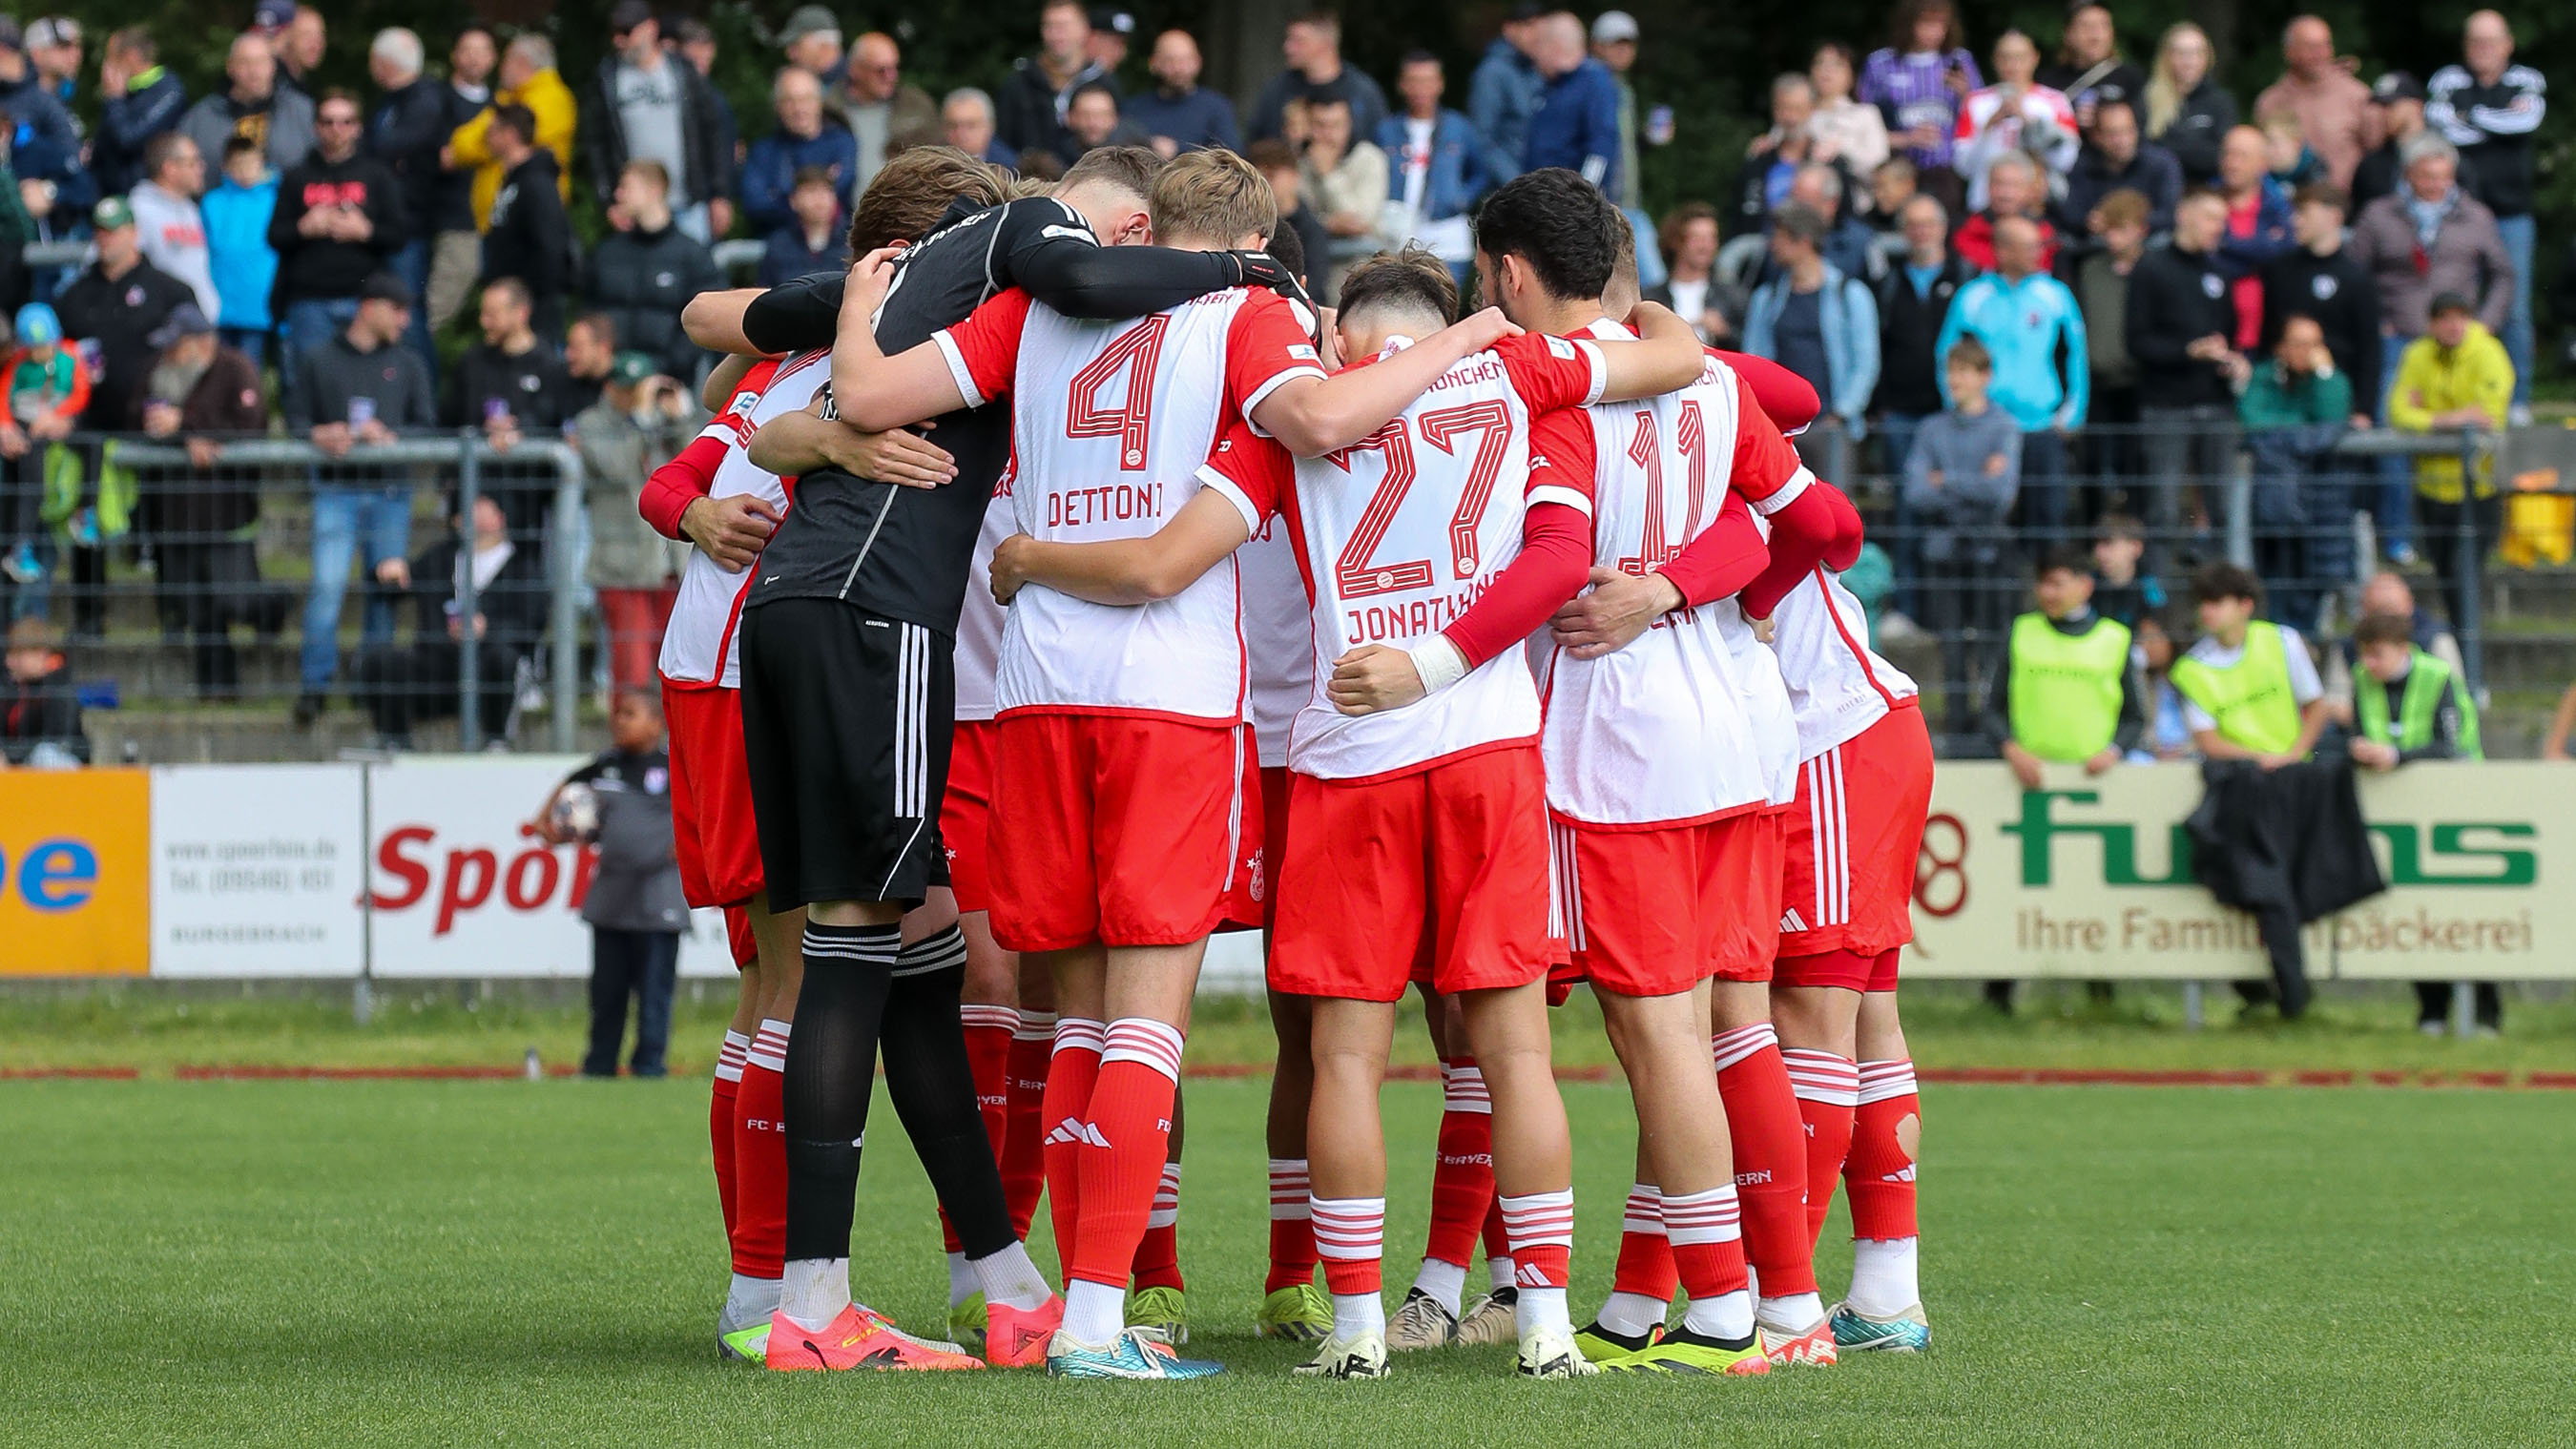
(1838,685)
(1278,637)
(1399,534)
(979,624)
(702,644)
(1110,425)
(1669,730)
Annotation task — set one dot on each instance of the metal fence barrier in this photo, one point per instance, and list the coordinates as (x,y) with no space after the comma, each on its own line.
(87,511)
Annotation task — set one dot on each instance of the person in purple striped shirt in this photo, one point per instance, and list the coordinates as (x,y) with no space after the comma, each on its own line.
(1918,81)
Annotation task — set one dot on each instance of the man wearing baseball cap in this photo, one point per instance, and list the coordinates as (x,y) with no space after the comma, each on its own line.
(54,44)
(647,104)
(118,301)
(2399,98)
(812,39)
(25,96)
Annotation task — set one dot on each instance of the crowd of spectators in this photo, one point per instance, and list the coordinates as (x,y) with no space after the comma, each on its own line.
(2039,284)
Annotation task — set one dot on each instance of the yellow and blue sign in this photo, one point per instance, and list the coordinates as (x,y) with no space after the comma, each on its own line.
(75,896)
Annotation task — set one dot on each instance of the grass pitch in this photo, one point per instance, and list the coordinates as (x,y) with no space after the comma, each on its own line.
(511,1262)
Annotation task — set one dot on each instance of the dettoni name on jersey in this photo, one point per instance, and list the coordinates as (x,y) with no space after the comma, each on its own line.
(1108,502)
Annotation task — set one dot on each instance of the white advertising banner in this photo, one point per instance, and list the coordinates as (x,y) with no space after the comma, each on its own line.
(257,870)
(2090,876)
(462,889)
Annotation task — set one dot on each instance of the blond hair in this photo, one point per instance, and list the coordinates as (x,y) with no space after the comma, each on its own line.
(2164,95)
(1211,195)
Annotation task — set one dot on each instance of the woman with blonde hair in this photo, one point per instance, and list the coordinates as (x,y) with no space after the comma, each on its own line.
(2187,112)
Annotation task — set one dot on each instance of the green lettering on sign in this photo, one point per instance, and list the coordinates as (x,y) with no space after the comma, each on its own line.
(2505,866)
(2039,825)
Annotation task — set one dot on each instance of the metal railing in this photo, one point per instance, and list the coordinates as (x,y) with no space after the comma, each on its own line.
(159,480)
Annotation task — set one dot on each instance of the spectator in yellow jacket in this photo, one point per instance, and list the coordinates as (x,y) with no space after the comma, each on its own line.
(2454,376)
(528,77)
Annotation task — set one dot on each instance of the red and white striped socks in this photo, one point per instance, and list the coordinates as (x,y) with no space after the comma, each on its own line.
(1642,1285)
(1158,1253)
(1770,1144)
(1126,1141)
(720,1115)
(760,1156)
(1350,1237)
(1541,1229)
(1706,1231)
(1879,1177)
(1023,1158)
(1065,1113)
(988,1059)
(1462,1181)
(1292,1226)
(1828,1088)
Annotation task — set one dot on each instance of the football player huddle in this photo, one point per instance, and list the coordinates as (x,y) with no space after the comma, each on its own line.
(1069,588)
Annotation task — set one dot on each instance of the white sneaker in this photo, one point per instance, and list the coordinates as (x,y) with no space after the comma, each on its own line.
(1549,1353)
(1360,1357)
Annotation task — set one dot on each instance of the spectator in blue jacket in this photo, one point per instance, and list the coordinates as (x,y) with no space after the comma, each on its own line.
(1577,124)
(2034,331)
(236,213)
(1503,93)
(25,98)
(1814,321)
(140,100)
(1179,114)
(806,138)
(813,240)
(1435,165)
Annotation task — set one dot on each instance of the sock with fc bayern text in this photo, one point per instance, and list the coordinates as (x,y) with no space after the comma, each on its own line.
(1292,1226)
(720,1113)
(1462,1177)
(988,1031)
(760,1155)
(1126,1143)
(1072,1070)
(1770,1143)
(1023,1138)
(1828,1088)
(826,1076)
(1350,1237)
(1158,1253)
(1541,1225)
(1706,1229)
(1642,1284)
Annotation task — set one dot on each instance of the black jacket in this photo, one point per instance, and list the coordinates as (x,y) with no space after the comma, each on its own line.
(453,207)
(127,122)
(531,237)
(47,711)
(706,134)
(2338,294)
(513,605)
(2175,299)
(321,267)
(2199,126)
(642,280)
(119,316)
(406,132)
(2288,845)
(1909,327)
(392,378)
(532,386)
(1025,114)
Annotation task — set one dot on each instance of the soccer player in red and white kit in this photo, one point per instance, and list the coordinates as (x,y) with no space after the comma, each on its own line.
(1127,826)
(1416,833)
(1661,792)
(1864,788)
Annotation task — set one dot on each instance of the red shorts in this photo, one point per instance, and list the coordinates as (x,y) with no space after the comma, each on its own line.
(1849,970)
(1848,880)
(738,936)
(711,820)
(1262,891)
(1121,830)
(1438,876)
(1653,912)
(966,814)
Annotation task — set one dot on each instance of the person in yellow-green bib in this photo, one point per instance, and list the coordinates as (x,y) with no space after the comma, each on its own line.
(2065,694)
(2250,689)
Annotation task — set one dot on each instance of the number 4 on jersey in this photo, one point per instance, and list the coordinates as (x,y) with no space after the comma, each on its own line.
(1132,356)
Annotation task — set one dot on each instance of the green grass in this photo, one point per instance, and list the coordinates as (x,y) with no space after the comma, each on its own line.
(156,1026)
(504,1262)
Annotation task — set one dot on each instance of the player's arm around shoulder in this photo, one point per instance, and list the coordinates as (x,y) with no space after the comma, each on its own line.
(1666,357)
(1314,415)
(963,366)
(1239,487)
(794,444)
